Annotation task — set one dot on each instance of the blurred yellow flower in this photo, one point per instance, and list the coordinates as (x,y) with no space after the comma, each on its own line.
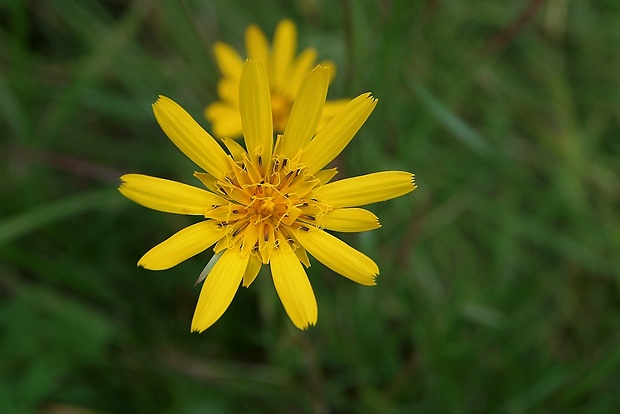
(269,204)
(285,72)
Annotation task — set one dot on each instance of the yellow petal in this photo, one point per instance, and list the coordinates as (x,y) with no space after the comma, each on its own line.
(207,180)
(256,44)
(302,256)
(338,256)
(168,196)
(330,110)
(293,287)
(255,107)
(306,111)
(225,120)
(251,271)
(219,289)
(338,132)
(250,238)
(325,176)
(302,66)
(228,60)
(182,245)
(235,149)
(350,220)
(190,138)
(284,46)
(367,189)
(332,67)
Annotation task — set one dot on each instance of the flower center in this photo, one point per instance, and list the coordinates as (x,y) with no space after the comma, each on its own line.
(267,204)
(266,207)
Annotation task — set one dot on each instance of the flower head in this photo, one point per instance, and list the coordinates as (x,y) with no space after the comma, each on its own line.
(285,72)
(268,203)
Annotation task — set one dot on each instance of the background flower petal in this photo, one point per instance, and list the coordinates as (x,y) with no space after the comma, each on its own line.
(257,45)
(283,53)
(228,60)
(225,119)
(301,67)
(228,91)
(330,110)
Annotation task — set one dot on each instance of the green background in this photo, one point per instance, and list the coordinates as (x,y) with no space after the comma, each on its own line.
(499,287)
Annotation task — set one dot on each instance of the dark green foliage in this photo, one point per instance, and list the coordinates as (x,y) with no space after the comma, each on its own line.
(499,288)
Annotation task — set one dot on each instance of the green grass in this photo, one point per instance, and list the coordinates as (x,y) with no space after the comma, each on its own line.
(500,284)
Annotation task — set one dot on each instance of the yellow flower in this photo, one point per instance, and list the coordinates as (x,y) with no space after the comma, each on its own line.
(268,205)
(284,71)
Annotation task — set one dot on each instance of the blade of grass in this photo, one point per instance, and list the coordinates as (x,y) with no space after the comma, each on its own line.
(448,119)
(18,226)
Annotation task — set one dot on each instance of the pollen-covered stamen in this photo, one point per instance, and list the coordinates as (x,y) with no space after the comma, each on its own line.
(267,207)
